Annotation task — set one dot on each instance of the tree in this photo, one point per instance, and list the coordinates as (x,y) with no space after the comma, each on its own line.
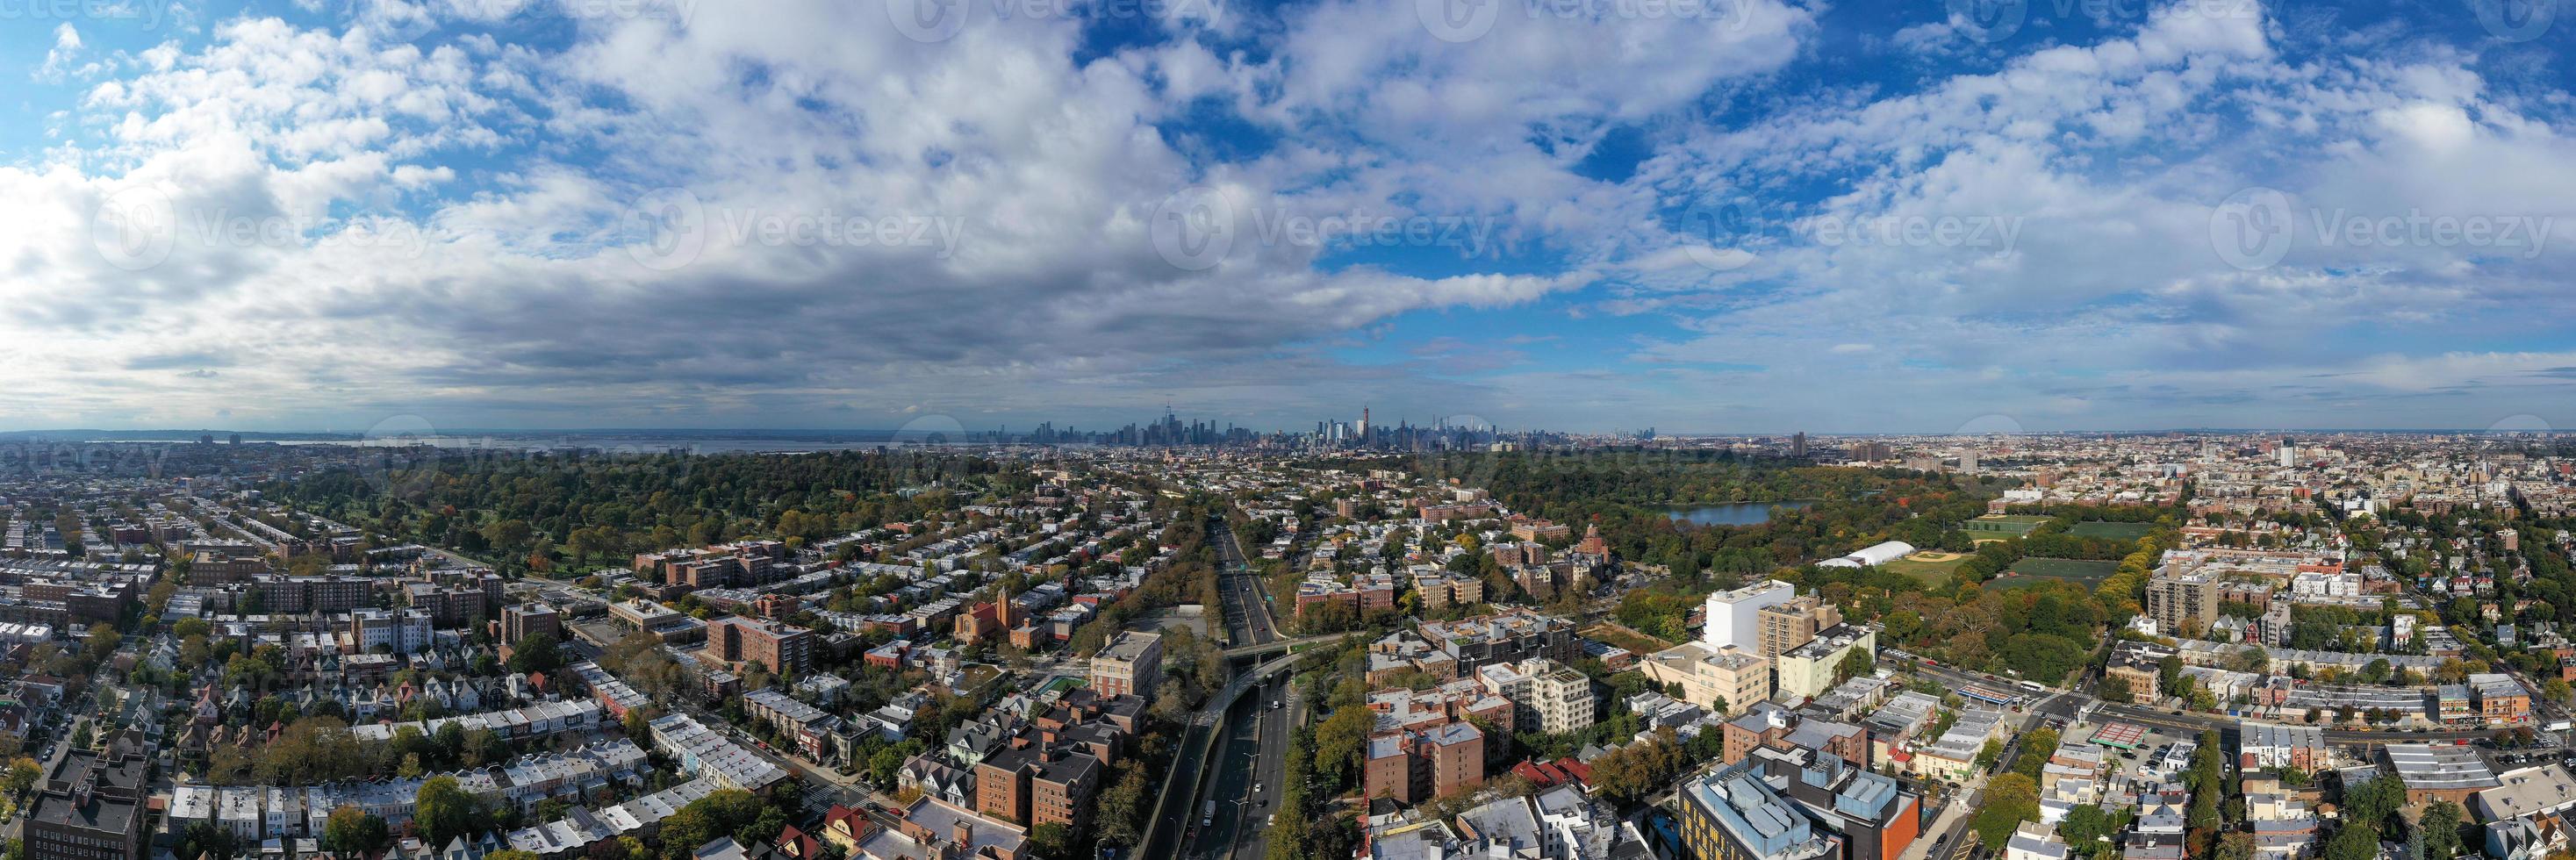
(2036,747)
(1640,768)
(1051,841)
(1122,805)
(536,652)
(2115,689)
(23,774)
(2009,800)
(1986,756)
(1855,663)
(2236,845)
(351,830)
(442,811)
(2441,829)
(2356,841)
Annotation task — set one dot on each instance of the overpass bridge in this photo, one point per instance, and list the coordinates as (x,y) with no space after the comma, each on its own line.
(1282,646)
(1177,800)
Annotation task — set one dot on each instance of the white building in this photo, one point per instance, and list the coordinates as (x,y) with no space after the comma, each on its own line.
(397,632)
(1872,556)
(1734,617)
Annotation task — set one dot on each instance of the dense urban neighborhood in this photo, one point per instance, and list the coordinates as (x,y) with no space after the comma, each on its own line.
(1394,643)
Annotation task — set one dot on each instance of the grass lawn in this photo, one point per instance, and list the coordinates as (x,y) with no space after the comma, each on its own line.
(2121,531)
(1619,635)
(1929,568)
(2001,526)
(2030,571)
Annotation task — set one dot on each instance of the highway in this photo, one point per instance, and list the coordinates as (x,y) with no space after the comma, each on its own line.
(1250,758)
(1248,620)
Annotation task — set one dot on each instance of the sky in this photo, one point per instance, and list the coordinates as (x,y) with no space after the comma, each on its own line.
(1585,215)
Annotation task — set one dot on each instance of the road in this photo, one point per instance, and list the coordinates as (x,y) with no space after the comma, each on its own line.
(2065,705)
(1181,800)
(1248,619)
(1253,756)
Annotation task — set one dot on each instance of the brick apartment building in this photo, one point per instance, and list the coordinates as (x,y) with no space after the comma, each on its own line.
(739,641)
(1047,771)
(1415,767)
(520,621)
(1129,664)
(89,807)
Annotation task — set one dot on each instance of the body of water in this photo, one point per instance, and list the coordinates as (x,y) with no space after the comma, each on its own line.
(1732,513)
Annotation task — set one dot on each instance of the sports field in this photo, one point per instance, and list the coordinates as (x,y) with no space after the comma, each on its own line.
(1928,567)
(2121,531)
(2001,526)
(2030,571)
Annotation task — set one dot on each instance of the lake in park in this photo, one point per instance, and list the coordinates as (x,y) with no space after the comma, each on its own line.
(1732,513)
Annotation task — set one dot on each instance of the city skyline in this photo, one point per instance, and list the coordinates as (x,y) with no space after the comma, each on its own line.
(1877,217)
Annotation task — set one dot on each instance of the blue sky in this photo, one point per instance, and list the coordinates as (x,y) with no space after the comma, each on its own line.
(1754,215)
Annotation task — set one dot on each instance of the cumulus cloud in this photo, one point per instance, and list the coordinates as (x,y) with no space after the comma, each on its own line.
(513,213)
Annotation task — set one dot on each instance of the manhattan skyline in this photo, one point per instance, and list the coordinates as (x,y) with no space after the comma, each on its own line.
(1749,216)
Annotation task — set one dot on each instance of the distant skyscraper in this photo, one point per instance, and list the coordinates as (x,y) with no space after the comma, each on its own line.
(1968,463)
(2289,455)
(1364,416)
(1798,444)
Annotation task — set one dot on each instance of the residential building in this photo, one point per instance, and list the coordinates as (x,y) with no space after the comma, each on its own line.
(523,620)
(1723,680)
(382,631)
(1735,615)
(88,808)
(2269,745)
(1793,623)
(1733,814)
(738,642)
(1544,693)
(1128,665)
(1812,668)
(2182,602)
(2547,791)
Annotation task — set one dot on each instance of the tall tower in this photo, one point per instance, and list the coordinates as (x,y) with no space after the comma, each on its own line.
(1364,415)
